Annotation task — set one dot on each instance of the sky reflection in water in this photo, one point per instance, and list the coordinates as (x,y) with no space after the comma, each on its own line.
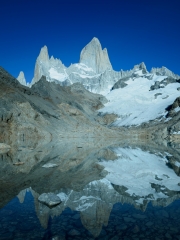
(129,193)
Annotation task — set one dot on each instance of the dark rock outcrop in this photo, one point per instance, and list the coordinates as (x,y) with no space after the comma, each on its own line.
(120,83)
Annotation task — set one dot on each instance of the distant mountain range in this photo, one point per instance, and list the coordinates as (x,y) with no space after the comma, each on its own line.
(135,96)
(94,69)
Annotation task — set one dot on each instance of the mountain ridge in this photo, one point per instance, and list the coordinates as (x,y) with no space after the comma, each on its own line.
(94,69)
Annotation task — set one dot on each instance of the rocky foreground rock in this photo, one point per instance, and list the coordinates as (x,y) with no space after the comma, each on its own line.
(49,199)
(36,115)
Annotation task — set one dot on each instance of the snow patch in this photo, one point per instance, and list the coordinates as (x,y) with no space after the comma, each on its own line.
(177,109)
(84,67)
(56,75)
(176,132)
(86,76)
(135,104)
(49,165)
(177,164)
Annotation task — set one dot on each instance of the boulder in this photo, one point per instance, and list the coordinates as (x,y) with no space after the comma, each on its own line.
(4,148)
(49,199)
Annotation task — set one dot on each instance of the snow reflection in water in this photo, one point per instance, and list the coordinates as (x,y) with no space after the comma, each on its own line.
(138,198)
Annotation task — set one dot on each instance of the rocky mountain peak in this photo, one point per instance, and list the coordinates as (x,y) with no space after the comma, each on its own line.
(164,72)
(42,65)
(55,62)
(43,55)
(105,50)
(95,57)
(21,78)
(140,66)
(96,41)
(52,58)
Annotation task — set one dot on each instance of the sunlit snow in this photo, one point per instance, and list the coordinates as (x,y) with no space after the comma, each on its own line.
(84,67)
(56,75)
(136,103)
(86,76)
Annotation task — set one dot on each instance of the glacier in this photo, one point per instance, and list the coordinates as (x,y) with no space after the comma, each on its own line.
(136,103)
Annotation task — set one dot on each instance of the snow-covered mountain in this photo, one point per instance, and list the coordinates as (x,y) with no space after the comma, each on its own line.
(94,69)
(52,68)
(142,97)
(164,72)
(135,96)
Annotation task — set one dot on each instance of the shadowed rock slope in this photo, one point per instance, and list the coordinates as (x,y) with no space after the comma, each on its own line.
(33,116)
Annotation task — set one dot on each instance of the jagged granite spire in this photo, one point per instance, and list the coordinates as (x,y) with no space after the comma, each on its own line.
(43,55)
(52,67)
(94,57)
(94,69)
(21,78)
(41,64)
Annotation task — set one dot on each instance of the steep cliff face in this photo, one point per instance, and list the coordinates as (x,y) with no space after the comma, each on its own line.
(20,121)
(52,68)
(94,69)
(95,57)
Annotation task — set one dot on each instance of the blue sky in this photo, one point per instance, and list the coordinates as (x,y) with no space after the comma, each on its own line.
(132,31)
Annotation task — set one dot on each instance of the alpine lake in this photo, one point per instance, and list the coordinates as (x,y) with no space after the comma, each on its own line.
(119,191)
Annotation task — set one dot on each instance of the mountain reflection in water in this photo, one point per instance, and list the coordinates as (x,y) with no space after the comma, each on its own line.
(107,192)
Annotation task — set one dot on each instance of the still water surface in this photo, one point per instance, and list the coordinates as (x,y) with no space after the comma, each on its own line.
(117,192)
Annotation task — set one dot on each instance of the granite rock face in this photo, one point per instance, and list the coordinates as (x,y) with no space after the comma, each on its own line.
(50,67)
(95,57)
(94,69)
(44,56)
(21,78)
